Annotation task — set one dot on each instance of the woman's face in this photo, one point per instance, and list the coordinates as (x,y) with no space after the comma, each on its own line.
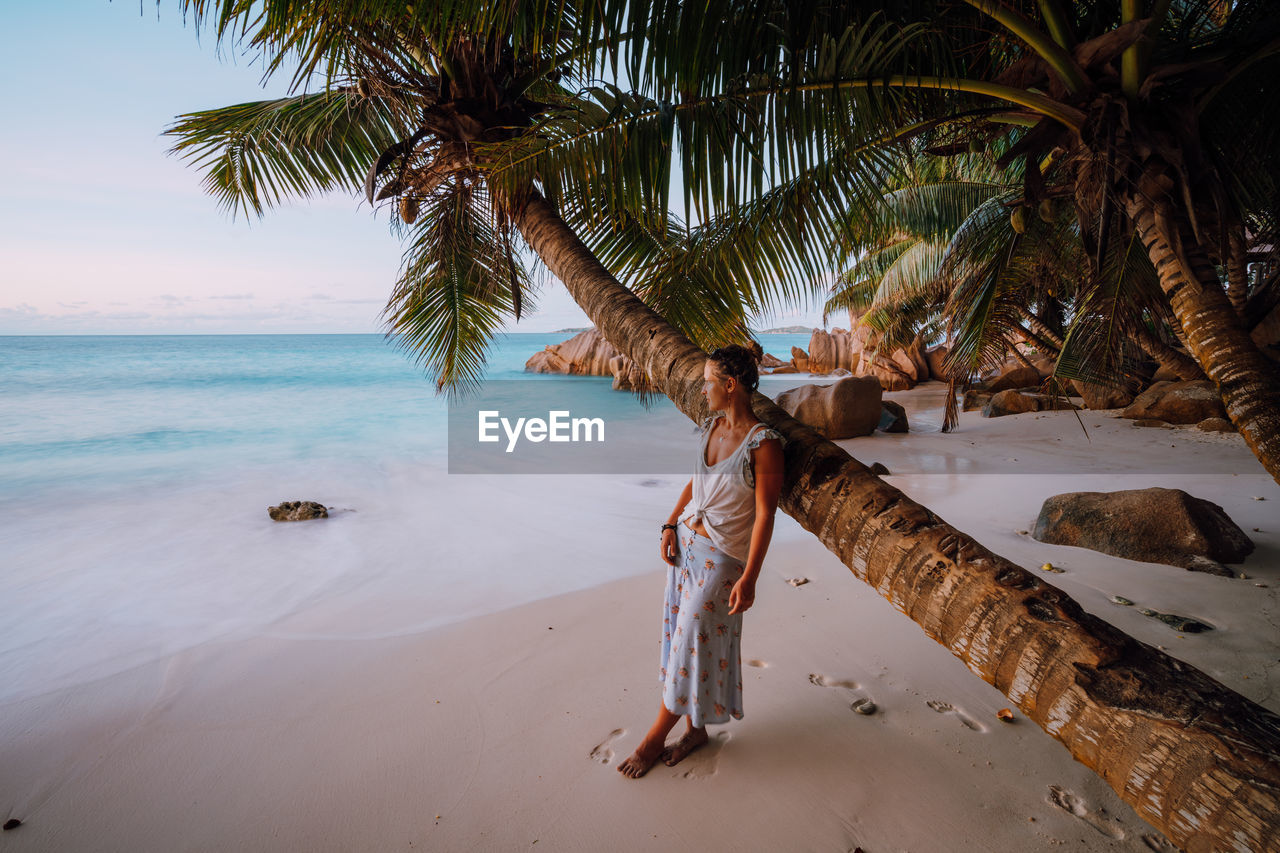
(716,388)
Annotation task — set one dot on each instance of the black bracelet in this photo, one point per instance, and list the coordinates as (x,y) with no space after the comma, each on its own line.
(667,527)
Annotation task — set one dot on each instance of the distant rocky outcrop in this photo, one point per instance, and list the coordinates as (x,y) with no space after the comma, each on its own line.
(845,409)
(1152,525)
(769,362)
(856,352)
(627,376)
(1177,403)
(935,357)
(788,330)
(829,350)
(589,354)
(297,511)
(585,354)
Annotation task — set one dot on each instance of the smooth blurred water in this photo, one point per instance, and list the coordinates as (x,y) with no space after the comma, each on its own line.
(135,475)
(99,412)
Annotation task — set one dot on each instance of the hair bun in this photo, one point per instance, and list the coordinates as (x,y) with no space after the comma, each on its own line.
(740,363)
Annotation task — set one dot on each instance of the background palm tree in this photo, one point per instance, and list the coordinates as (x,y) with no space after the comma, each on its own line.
(457,84)
(943,253)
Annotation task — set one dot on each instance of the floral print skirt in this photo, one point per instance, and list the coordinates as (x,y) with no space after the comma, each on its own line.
(701,666)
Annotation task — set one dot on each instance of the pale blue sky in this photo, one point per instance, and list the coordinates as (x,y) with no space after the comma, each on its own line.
(101,231)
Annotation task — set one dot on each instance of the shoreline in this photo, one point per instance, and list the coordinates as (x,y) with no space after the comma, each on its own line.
(320,729)
(274,743)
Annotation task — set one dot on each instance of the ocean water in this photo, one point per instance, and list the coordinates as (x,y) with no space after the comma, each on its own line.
(98,413)
(135,473)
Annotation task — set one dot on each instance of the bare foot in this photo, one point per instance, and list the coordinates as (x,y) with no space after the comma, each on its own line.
(678,751)
(640,761)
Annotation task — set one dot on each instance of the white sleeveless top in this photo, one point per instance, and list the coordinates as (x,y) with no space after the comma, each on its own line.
(724,497)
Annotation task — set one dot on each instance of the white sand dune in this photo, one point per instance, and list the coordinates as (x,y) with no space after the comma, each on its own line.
(351,722)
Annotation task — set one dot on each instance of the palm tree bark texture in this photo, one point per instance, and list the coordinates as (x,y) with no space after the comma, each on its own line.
(1196,760)
(1247,381)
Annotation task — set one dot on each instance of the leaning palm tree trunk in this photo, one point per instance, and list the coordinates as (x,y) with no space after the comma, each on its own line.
(1196,760)
(1178,363)
(1247,380)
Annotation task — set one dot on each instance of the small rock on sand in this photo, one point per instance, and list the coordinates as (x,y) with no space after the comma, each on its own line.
(12,823)
(1215,425)
(297,511)
(1185,624)
(797,581)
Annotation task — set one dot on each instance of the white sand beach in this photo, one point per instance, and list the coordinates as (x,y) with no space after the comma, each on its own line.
(349,720)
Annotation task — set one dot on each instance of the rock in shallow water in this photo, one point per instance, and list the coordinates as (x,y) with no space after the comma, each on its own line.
(1151,525)
(894,417)
(297,511)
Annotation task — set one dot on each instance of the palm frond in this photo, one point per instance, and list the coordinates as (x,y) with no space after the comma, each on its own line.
(934,210)
(914,275)
(458,284)
(255,155)
(1099,346)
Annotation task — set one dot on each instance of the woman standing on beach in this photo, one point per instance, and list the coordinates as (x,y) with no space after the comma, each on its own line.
(714,542)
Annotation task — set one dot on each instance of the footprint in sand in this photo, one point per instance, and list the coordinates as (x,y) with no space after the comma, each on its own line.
(602,751)
(948,708)
(1072,804)
(704,763)
(1159,844)
(862,705)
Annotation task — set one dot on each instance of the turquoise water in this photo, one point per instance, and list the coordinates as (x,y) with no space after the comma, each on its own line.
(135,475)
(102,412)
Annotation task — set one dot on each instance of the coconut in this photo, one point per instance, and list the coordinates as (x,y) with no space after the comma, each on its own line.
(409,209)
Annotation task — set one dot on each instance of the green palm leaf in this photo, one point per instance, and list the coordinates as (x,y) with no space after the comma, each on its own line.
(458,284)
(258,154)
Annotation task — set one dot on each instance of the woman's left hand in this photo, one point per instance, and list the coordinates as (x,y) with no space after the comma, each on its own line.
(742,596)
